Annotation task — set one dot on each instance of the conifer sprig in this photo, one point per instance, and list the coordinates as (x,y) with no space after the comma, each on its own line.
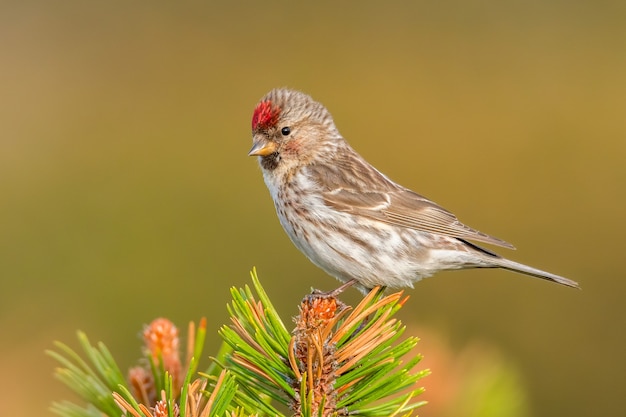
(338,361)
(334,363)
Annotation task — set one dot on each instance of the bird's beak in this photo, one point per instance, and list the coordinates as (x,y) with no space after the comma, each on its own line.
(262,147)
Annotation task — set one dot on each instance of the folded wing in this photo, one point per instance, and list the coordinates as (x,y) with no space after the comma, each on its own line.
(356,187)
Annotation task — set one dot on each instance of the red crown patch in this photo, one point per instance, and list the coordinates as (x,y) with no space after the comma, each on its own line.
(265,115)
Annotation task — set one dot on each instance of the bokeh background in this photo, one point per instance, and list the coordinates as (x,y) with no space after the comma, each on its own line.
(126,193)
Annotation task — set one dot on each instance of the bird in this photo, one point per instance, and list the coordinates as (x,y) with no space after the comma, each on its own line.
(350,219)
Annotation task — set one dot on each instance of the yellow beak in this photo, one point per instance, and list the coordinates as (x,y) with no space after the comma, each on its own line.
(262,148)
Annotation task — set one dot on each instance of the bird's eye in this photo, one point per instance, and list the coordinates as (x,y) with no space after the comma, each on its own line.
(285,131)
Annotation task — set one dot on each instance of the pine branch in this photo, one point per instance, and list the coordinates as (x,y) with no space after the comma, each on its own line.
(337,361)
(334,364)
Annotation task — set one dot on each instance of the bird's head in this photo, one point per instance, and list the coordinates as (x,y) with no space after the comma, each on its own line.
(289,128)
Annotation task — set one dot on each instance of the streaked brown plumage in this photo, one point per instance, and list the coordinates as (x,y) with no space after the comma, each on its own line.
(347,217)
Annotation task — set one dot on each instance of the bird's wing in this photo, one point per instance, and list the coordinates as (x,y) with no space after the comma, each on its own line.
(355,187)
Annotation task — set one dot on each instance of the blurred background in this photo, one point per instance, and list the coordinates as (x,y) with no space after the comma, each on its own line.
(126,193)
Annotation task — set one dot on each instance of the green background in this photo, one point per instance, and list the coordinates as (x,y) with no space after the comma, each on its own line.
(126,193)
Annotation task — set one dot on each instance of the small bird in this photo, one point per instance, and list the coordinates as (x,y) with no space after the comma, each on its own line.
(347,217)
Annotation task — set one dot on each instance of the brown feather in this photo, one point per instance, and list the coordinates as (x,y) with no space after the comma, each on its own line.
(354,186)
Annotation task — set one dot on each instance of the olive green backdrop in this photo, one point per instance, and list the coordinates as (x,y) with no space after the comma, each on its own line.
(126,193)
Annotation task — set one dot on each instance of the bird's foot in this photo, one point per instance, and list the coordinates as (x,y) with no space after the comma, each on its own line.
(334,293)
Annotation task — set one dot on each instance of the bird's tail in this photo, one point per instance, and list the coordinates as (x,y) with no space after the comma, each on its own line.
(528,270)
